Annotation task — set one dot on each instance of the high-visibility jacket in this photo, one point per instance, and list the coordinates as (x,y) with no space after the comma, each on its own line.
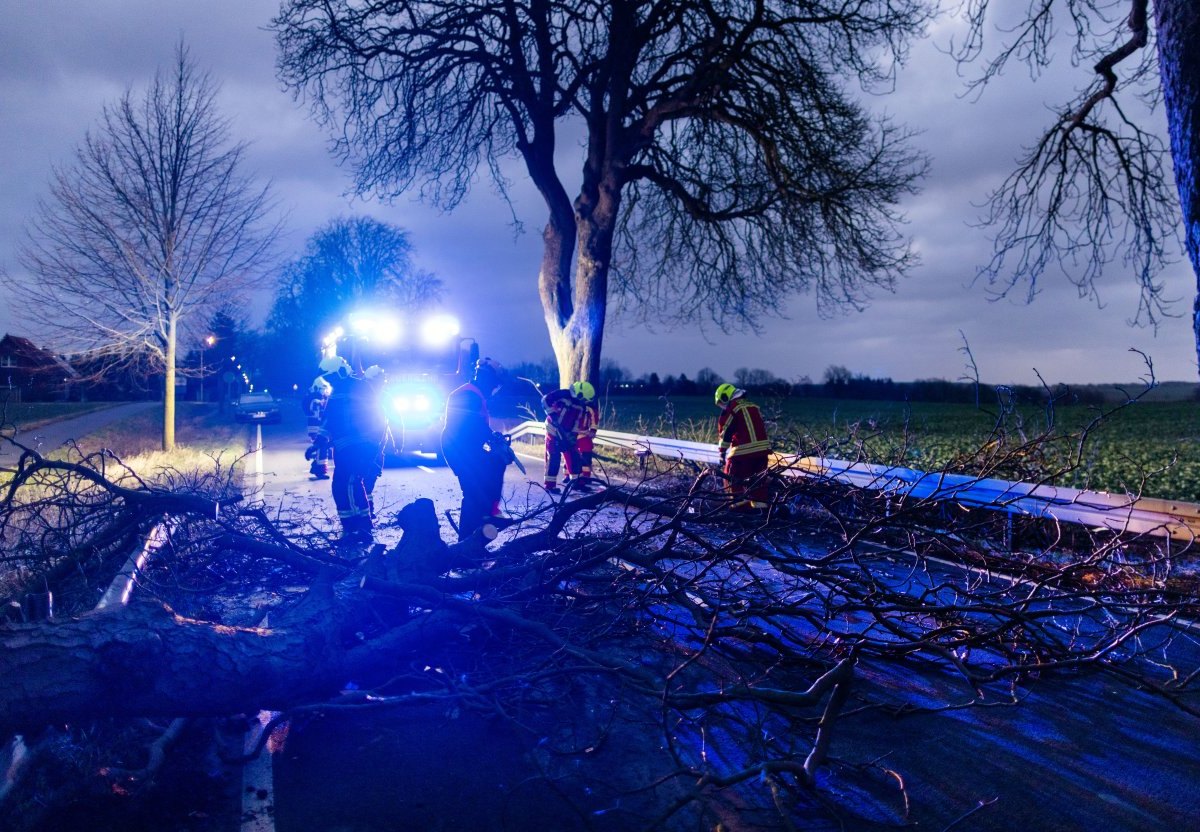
(589,421)
(740,429)
(563,414)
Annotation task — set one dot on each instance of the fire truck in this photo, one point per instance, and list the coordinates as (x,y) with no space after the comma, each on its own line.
(423,359)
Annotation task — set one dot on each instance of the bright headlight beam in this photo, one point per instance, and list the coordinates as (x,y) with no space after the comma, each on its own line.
(380,329)
(437,330)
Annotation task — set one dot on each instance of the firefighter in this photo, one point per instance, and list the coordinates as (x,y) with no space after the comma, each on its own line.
(744,448)
(319,453)
(585,429)
(355,426)
(472,450)
(563,414)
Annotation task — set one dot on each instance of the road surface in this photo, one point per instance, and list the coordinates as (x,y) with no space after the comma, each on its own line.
(1076,755)
(48,437)
(284,482)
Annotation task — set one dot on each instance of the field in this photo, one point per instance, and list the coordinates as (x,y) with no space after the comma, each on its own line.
(1148,448)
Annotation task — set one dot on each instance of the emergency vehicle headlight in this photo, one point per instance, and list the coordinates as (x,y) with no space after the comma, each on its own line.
(401,404)
(380,329)
(438,330)
(421,402)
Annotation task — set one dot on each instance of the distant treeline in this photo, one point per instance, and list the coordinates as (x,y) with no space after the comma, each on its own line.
(840,383)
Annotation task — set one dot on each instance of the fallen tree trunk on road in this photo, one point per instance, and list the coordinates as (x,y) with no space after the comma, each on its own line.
(739,636)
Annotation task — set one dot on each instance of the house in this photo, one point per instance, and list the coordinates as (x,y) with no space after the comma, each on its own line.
(30,373)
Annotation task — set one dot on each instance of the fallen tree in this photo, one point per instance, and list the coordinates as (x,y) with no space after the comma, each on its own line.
(746,643)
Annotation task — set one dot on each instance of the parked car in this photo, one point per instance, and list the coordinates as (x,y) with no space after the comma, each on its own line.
(256,407)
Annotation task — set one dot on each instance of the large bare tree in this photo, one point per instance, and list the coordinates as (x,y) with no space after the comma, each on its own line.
(154,224)
(723,162)
(1095,188)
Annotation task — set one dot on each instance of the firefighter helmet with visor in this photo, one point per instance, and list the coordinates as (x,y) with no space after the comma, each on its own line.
(727,393)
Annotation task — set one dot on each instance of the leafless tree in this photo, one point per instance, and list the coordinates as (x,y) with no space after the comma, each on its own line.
(351,260)
(153,226)
(725,163)
(1095,187)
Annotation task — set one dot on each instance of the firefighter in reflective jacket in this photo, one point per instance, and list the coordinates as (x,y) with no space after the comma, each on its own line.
(319,451)
(585,428)
(472,449)
(744,448)
(356,426)
(563,413)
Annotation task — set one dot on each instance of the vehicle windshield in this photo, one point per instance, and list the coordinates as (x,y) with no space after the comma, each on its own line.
(256,398)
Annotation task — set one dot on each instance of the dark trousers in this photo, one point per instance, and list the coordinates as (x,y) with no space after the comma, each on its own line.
(481,477)
(358,468)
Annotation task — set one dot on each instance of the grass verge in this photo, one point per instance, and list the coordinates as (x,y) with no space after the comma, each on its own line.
(26,416)
(204,438)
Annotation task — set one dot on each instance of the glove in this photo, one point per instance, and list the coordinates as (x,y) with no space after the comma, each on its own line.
(310,453)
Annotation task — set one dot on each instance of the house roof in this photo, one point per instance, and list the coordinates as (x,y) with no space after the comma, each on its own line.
(27,355)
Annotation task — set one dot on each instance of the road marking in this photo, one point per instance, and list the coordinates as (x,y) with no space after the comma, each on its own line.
(426,469)
(258,456)
(258,781)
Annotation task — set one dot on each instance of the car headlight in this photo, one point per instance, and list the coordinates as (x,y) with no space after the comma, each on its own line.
(439,330)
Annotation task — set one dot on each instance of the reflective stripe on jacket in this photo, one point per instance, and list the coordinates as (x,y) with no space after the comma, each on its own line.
(740,429)
(588,421)
(563,413)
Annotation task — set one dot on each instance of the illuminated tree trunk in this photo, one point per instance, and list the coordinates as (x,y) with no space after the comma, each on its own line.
(168,428)
(1177,24)
(579,244)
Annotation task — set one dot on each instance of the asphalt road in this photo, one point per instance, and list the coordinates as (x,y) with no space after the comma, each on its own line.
(284,482)
(51,436)
(1078,754)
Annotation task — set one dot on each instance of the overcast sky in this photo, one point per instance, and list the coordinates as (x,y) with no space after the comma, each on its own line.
(62,61)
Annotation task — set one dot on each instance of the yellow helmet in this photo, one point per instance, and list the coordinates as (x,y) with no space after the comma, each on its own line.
(584,390)
(726,393)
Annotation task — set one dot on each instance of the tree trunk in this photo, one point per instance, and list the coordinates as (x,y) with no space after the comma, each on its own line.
(1177,26)
(168,426)
(145,661)
(575,314)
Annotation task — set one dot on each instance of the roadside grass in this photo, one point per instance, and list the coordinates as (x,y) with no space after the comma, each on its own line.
(25,416)
(206,441)
(1149,448)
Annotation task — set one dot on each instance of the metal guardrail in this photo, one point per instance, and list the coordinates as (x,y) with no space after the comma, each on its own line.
(1097,509)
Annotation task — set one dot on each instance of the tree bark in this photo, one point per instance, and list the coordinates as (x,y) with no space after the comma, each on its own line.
(168,427)
(1177,25)
(576,312)
(146,661)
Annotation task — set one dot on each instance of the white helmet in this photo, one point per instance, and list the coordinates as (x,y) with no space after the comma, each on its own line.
(334,364)
(321,387)
(372,372)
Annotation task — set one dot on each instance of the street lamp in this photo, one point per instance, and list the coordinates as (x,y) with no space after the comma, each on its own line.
(207,342)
